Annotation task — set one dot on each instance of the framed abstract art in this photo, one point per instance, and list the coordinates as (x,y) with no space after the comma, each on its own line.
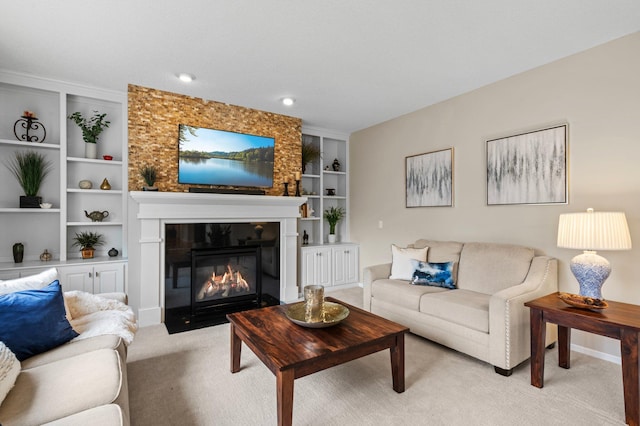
(528,168)
(429,179)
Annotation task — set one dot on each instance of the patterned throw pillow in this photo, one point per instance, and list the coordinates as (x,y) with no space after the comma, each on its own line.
(9,370)
(433,274)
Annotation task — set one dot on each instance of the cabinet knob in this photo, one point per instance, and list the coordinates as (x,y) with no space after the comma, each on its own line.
(96,274)
(90,274)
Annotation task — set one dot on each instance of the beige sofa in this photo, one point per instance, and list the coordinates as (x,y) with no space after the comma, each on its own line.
(484,316)
(82,382)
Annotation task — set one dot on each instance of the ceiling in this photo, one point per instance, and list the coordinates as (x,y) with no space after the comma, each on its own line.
(349,64)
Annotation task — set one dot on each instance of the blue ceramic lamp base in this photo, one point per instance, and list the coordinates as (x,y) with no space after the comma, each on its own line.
(591,270)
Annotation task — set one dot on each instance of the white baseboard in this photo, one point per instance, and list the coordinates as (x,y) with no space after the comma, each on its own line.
(597,354)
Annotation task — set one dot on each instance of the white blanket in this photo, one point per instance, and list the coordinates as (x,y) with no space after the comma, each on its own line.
(93,315)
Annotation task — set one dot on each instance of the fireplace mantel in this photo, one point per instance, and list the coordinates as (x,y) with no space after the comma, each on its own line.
(150,211)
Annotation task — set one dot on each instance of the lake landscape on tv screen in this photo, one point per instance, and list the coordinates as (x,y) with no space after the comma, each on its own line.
(217,157)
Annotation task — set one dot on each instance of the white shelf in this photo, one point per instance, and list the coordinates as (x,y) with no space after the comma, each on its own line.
(27,211)
(29,144)
(94,223)
(96,191)
(94,161)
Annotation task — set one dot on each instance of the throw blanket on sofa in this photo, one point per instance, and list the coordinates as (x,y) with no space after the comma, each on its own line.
(93,315)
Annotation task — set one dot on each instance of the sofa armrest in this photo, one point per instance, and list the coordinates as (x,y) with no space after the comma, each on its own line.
(120,297)
(370,274)
(509,329)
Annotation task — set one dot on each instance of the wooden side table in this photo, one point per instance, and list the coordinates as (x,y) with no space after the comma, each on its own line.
(619,321)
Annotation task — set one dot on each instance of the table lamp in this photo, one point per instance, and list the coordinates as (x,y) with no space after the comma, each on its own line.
(591,231)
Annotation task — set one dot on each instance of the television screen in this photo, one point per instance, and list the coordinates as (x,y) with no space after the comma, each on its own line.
(217,157)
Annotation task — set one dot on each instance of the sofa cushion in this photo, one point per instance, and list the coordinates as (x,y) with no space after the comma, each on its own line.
(104,415)
(77,347)
(60,389)
(9,370)
(488,268)
(441,251)
(34,321)
(401,266)
(463,307)
(401,293)
(433,274)
(32,282)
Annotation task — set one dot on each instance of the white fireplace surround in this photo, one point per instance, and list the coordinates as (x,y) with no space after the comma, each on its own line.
(150,211)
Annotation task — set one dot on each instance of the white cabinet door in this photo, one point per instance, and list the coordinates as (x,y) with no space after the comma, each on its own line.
(315,266)
(345,265)
(324,263)
(76,278)
(109,278)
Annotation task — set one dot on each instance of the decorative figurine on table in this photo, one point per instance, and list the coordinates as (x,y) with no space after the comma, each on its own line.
(305,238)
(336,165)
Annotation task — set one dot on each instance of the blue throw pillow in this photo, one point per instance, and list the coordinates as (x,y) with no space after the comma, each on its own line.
(433,274)
(34,321)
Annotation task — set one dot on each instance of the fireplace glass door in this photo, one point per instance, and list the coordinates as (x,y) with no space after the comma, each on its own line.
(224,276)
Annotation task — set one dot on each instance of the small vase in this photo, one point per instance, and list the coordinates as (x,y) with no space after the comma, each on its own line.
(113,252)
(105,186)
(46,256)
(18,252)
(90,150)
(331,238)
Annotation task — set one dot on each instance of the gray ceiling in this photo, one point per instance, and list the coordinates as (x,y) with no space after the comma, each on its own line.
(349,63)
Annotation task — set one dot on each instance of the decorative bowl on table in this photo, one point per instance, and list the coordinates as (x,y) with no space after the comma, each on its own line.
(45,205)
(107,157)
(332,314)
(583,302)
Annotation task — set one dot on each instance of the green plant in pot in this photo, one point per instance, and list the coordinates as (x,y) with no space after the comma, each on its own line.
(149,174)
(333,215)
(91,128)
(30,169)
(310,153)
(87,241)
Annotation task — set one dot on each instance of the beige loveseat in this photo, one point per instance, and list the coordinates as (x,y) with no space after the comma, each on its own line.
(484,316)
(82,382)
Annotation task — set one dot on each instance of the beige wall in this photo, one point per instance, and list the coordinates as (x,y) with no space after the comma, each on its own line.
(597,92)
(154,116)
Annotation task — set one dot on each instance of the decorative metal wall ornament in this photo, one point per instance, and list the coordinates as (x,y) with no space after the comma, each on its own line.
(529,168)
(29,123)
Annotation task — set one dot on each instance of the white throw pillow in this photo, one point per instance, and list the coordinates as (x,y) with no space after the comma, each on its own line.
(401,266)
(32,282)
(9,370)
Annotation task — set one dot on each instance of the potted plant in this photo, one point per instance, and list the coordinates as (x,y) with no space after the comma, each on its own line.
(30,168)
(87,241)
(149,174)
(333,215)
(91,129)
(310,153)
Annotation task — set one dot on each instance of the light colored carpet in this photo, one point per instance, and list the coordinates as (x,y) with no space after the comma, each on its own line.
(184,379)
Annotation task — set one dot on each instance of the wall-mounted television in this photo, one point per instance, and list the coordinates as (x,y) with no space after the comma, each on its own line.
(221,158)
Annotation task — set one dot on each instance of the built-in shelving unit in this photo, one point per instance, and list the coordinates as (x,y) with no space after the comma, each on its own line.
(320,262)
(53,229)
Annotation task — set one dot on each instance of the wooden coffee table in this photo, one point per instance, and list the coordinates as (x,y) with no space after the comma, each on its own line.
(291,351)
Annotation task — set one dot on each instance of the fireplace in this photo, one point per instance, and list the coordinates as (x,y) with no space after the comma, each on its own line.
(155,288)
(212,269)
(225,279)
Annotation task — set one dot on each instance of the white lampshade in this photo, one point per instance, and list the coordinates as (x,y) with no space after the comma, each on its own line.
(592,230)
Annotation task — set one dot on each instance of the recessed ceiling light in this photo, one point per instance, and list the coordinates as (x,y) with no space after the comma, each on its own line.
(187,78)
(288,101)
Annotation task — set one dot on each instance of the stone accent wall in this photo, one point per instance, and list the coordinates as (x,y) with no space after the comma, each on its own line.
(154,116)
